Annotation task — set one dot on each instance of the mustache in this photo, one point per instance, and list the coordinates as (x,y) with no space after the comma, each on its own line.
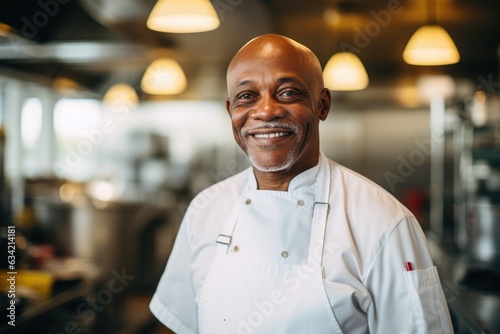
(273,124)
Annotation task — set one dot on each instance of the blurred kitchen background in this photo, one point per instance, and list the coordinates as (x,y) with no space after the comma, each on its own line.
(100,152)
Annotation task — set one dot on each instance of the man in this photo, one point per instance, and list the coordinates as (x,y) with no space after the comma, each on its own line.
(297,243)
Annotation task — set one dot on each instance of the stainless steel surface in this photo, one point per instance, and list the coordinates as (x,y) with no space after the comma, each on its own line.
(475,312)
(484,231)
(475,309)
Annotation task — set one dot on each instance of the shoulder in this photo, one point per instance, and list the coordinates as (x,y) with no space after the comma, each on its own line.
(360,195)
(362,218)
(363,211)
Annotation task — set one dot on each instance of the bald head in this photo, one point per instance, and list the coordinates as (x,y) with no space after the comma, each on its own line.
(272,47)
(276,99)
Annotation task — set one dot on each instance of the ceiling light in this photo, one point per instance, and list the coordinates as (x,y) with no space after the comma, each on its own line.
(345,71)
(436,86)
(121,95)
(183,16)
(164,77)
(431,45)
(64,85)
(407,95)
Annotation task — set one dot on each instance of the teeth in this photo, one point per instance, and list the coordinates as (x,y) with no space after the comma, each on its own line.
(271,135)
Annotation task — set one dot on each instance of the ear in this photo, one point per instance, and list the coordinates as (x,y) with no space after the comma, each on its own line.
(325,103)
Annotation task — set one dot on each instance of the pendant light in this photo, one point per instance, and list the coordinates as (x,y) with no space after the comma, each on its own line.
(431,44)
(345,72)
(183,16)
(121,95)
(164,77)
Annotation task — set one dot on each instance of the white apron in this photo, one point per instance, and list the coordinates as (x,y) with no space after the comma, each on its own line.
(244,295)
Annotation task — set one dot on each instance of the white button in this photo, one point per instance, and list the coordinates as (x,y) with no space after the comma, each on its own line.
(284,254)
(248,201)
(300,202)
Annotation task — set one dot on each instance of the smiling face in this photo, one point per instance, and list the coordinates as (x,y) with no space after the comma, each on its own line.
(276,100)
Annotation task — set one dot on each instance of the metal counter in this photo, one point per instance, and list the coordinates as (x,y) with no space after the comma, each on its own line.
(474,304)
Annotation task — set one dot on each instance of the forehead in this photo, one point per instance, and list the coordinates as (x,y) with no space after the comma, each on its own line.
(272,62)
(265,71)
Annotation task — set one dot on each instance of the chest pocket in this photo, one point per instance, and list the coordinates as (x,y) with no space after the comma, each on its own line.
(427,299)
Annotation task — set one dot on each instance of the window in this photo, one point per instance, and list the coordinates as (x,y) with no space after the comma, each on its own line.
(77,140)
(31,128)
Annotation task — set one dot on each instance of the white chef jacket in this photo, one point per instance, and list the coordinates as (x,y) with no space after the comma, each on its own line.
(369,238)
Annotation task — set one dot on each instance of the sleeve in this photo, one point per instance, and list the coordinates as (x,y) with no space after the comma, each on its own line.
(406,301)
(174,303)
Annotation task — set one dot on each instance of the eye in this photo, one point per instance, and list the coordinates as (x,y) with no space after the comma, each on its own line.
(289,93)
(245,96)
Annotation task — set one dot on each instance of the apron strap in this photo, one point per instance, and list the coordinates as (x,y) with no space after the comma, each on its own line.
(320,213)
(224,239)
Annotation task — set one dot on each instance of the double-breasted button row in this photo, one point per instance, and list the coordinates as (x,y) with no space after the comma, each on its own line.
(300,202)
(284,254)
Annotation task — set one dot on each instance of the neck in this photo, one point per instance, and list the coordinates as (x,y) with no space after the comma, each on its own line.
(272,180)
(280,180)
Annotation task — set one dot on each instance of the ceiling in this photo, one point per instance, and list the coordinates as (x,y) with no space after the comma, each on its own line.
(96,43)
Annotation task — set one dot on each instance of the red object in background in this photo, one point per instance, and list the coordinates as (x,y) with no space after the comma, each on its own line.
(414,200)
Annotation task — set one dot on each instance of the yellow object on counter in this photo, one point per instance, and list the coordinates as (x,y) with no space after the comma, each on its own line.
(27,283)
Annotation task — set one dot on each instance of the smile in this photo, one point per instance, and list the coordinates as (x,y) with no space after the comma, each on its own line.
(272,135)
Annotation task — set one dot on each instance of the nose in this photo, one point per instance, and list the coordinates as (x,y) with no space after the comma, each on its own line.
(267,109)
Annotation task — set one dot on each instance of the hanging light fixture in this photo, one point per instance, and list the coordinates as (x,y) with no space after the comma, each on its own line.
(431,44)
(164,77)
(183,16)
(121,95)
(344,72)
